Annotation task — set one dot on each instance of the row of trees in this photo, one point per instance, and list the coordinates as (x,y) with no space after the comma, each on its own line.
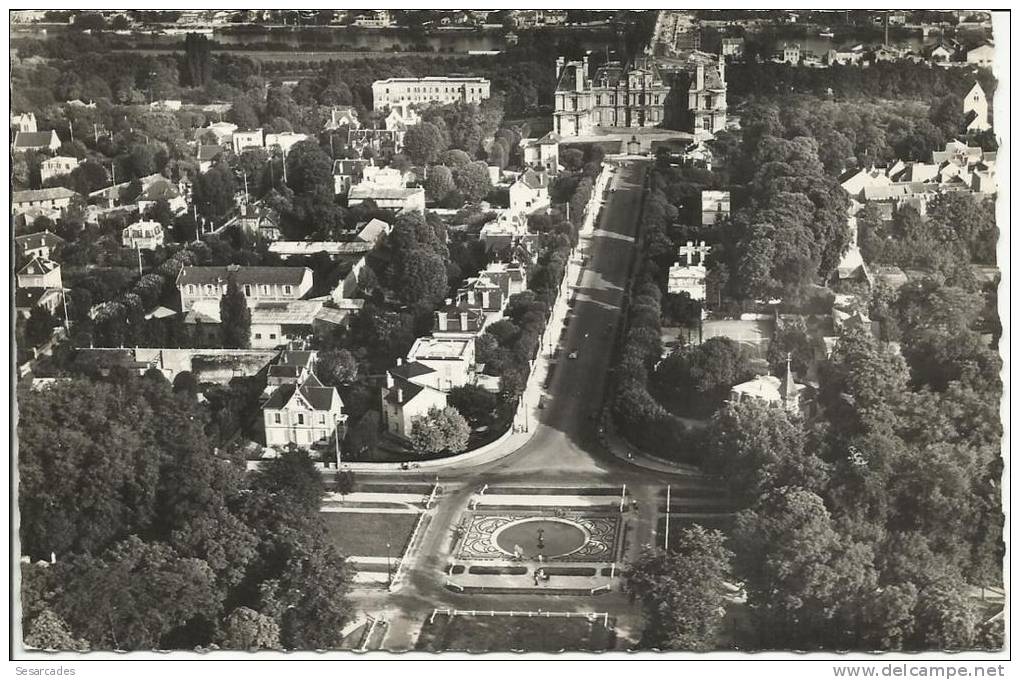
(159,547)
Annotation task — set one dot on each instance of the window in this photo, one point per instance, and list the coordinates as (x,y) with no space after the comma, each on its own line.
(264,289)
(272,336)
(191,289)
(287,290)
(258,336)
(247,289)
(322,419)
(301,419)
(208,289)
(276,418)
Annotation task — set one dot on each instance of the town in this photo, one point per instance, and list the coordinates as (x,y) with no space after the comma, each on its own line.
(516,330)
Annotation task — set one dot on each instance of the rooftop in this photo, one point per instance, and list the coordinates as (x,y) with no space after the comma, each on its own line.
(50,194)
(265,275)
(429,347)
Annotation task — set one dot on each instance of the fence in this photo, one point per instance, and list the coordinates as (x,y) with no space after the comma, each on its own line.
(591,616)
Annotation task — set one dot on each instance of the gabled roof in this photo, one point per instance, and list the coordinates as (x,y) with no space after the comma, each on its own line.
(38,267)
(534,180)
(255,275)
(292,357)
(32,140)
(53,193)
(26,298)
(38,240)
(373,230)
(318,397)
(207,152)
(409,370)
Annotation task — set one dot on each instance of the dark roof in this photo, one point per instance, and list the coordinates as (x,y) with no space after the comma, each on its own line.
(27,140)
(38,266)
(535,180)
(320,398)
(254,275)
(207,152)
(161,188)
(408,391)
(38,240)
(284,371)
(292,357)
(26,298)
(41,194)
(410,369)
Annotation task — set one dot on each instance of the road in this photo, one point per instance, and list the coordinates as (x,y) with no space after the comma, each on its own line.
(562,451)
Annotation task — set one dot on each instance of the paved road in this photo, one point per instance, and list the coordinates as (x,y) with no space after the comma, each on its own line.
(563,449)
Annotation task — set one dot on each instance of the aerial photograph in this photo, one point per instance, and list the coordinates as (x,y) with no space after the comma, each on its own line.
(499,333)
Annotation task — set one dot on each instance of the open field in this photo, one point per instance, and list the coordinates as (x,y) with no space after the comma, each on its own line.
(514,633)
(366,535)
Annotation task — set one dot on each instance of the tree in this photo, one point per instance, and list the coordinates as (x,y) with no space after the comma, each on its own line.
(39,326)
(197,60)
(944,617)
(756,448)
(136,595)
(681,591)
(477,404)
(48,631)
(235,317)
(310,171)
(441,430)
(293,483)
(337,367)
(160,212)
(423,143)
(421,277)
(700,377)
(472,180)
(246,629)
(439,183)
(214,192)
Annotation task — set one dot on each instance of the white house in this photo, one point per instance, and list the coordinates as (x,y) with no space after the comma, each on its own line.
(284,141)
(23,122)
(542,152)
(342,116)
(245,139)
(791,54)
(982,55)
(715,206)
(53,199)
(302,414)
(392,198)
(161,189)
(57,167)
(221,131)
(404,398)
(259,284)
(975,107)
(143,235)
(529,193)
(770,389)
(688,273)
(40,273)
(452,361)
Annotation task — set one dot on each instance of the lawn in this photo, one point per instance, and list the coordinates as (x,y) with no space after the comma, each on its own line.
(515,633)
(363,534)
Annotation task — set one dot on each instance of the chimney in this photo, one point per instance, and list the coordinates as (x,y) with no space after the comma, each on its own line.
(699,78)
(442,321)
(400,361)
(400,395)
(389,380)
(579,75)
(463,321)
(722,68)
(485,299)
(584,66)
(559,66)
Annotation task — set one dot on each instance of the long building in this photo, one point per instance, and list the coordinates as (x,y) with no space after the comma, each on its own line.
(437,89)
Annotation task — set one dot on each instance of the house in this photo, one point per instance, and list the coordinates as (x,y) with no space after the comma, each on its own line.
(439,89)
(941,52)
(347,172)
(379,18)
(143,235)
(616,95)
(452,361)
(41,244)
(975,108)
(370,138)
(458,320)
(260,220)
(40,272)
(46,140)
(688,273)
(302,414)
(529,193)
(166,105)
(207,154)
(335,249)
(259,284)
(715,206)
(849,55)
(246,139)
(733,47)
(284,141)
(221,132)
(790,54)
(983,55)
(23,122)
(543,152)
(292,367)
(392,198)
(373,231)
(26,299)
(52,199)
(163,189)
(342,116)
(406,397)
(274,324)
(785,393)
(57,167)
(401,117)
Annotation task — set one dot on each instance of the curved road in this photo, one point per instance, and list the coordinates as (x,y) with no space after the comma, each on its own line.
(562,450)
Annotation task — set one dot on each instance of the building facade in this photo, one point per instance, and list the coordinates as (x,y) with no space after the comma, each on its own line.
(259,284)
(144,235)
(440,90)
(615,96)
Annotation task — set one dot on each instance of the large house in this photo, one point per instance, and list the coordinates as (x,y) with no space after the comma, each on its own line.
(342,116)
(45,140)
(406,398)
(785,393)
(41,244)
(160,188)
(441,90)
(57,167)
(259,284)
(220,133)
(543,152)
(247,139)
(143,235)
(387,197)
(54,199)
(688,273)
(260,220)
(347,172)
(529,193)
(40,273)
(302,413)
(616,96)
(23,122)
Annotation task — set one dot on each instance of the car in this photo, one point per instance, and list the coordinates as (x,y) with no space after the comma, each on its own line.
(572,355)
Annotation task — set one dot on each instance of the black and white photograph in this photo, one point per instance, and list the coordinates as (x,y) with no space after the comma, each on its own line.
(509,334)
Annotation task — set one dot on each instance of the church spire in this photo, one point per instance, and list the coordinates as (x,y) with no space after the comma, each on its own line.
(789,387)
